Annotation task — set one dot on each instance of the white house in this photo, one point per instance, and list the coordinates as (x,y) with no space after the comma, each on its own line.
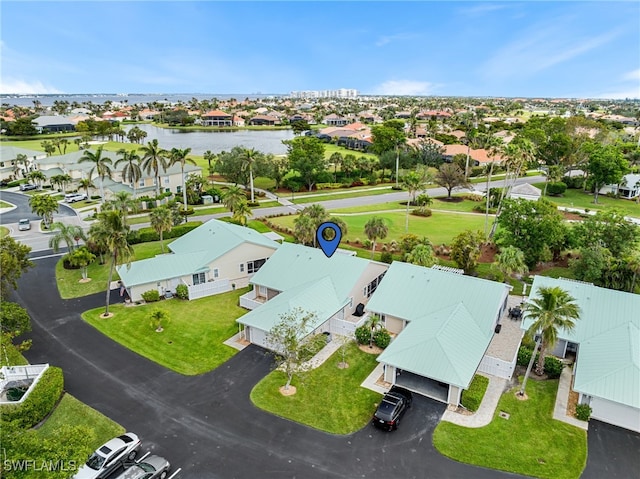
(628,188)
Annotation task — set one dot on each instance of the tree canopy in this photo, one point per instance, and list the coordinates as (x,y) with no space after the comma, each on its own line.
(306,156)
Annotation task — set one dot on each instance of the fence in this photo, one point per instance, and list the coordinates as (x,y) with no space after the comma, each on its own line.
(497,367)
(11,374)
(209,289)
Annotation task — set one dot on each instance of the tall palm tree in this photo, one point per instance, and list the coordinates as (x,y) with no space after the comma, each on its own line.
(552,309)
(86,183)
(122,202)
(413,182)
(154,158)
(101,166)
(209,156)
(131,171)
(336,159)
(375,228)
(111,231)
(66,233)
(161,221)
(37,176)
(178,156)
(249,157)
(242,213)
(304,229)
(44,205)
(21,159)
(233,197)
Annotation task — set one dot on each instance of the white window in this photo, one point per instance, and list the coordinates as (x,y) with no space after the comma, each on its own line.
(242,267)
(215,273)
(141,183)
(199,278)
(255,265)
(371,287)
(166,180)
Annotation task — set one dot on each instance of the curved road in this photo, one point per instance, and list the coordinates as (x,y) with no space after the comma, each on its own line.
(24,211)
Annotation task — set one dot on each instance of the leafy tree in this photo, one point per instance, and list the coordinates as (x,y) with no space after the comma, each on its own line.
(14,318)
(510,261)
(306,156)
(536,228)
(422,255)
(633,263)
(111,232)
(376,228)
(82,258)
(131,170)
(101,166)
(233,197)
(466,250)
(153,159)
(179,156)
(388,137)
(161,221)
(304,229)
(288,338)
(609,229)
(276,168)
(14,260)
(22,127)
(299,126)
(67,233)
(591,264)
(606,165)
(450,176)
(428,153)
(551,309)
(44,206)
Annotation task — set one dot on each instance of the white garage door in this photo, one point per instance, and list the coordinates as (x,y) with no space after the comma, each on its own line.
(616,414)
(258,336)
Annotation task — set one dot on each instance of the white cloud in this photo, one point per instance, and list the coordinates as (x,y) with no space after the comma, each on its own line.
(632,75)
(404,87)
(22,87)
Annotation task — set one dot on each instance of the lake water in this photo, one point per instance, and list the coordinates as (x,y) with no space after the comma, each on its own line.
(265,141)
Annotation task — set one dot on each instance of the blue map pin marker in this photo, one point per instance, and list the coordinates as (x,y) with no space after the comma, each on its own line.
(329,246)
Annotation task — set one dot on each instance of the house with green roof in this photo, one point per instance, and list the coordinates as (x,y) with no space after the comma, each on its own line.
(606,345)
(69,164)
(9,167)
(214,258)
(335,289)
(444,322)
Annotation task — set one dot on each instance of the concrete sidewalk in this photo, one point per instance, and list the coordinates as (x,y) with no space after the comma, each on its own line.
(484,414)
(562,400)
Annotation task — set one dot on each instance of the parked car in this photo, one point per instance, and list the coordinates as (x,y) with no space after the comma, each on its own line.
(152,467)
(24,225)
(391,409)
(108,457)
(73,197)
(27,187)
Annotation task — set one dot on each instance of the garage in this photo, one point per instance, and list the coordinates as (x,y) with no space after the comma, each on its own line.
(423,386)
(615,413)
(257,336)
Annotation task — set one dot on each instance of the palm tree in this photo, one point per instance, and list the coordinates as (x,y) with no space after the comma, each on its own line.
(511,261)
(375,228)
(413,182)
(82,257)
(66,233)
(153,159)
(131,171)
(241,213)
(161,221)
(233,197)
(304,229)
(336,159)
(422,255)
(44,205)
(37,177)
(209,156)
(122,202)
(249,157)
(551,310)
(21,159)
(111,231)
(180,156)
(86,183)
(102,166)
(373,323)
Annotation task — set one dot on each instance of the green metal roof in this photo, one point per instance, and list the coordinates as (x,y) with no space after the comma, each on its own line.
(162,267)
(608,332)
(450,316)
(293,262)
(319,297)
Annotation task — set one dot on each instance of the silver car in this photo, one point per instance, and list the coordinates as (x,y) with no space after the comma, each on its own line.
(108,457)
(152,467)
(24,225)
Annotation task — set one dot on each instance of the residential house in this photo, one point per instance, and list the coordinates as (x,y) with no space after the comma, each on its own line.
(298,276)
(217,118)
(214,258)
(335,120)
(53,124)
(605,344)
(445,323)
(264,120)
(9,167)
(526,191)
(628,188)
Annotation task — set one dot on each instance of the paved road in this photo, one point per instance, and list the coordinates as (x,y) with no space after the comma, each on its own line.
(207,424)
(24,211)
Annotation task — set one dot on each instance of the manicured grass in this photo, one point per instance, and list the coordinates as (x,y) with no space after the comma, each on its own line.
(191,342)
(328,398)
(437,205)
(3,231)
(263,183)
(9,354)
(472,397)
(78,205)
(330,149)
(578,199)
(70,411)
(4,204)
(340,194)
(530,442)
(439,228)
(68,279)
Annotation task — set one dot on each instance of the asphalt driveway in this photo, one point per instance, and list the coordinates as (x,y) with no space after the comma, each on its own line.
(207,424)
(23,210)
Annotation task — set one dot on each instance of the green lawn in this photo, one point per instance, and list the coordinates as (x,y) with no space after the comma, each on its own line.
(530,442)
(329,398)
(330,149)
(437,205)
(578,199)
(4,231)
(70,411)
(4,204)
(439,228)
(191,342)
(339,194)
(68,279)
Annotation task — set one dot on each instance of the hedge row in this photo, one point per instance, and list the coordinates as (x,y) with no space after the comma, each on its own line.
(39,403)
(472,397)
(144,235)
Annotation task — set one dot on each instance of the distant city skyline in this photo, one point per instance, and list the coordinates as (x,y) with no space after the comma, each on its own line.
(499,49)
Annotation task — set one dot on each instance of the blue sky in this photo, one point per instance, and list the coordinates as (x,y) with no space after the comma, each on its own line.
(530,49)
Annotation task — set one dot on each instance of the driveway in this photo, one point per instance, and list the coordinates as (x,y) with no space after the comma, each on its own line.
(23,210)
(207,424)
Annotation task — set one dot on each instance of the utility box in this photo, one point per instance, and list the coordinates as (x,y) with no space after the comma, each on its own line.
(207,200)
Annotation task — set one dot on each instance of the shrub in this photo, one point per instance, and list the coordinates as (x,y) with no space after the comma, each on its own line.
(477,171)
(312,346)
(397,188)
(363,334)
(357,183)
(39,403)
(253,204)
(556,189)
(381,338)
(553,367)
(472,397)
(151,296)
(524,356)
(187,212)
(182,291)
(422,211)
(144,235)
(583,412)
(386,257)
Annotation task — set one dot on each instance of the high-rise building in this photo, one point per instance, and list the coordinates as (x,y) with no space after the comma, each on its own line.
(340,93)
